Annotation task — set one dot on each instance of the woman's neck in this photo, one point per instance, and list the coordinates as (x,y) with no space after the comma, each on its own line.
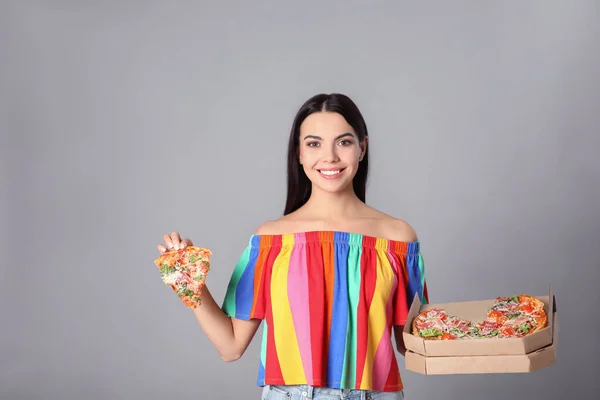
(333,206)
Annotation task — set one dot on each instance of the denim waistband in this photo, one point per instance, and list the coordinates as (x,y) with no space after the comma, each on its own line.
(307,392)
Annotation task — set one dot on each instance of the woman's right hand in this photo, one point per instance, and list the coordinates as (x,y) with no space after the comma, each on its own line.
(173,242)
(231,337)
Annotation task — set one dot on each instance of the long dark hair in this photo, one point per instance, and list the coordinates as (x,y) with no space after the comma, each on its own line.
(298,185)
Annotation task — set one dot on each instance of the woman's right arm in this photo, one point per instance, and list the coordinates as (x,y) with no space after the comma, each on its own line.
(230,336)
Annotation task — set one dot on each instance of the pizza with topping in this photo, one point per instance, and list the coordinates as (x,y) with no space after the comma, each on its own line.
(509,317)
(185,272)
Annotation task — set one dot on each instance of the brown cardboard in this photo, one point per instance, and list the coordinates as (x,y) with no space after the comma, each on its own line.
(523,363)
(476,311)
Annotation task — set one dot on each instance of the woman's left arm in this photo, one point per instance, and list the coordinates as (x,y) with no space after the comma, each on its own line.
(399,339)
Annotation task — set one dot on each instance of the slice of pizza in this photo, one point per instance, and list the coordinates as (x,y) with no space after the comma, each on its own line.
(429,324)
(438,324)
(185,272)
(519,315)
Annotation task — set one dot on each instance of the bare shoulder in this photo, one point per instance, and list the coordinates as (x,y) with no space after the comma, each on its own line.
(266,228)
(400,230)
(395,228)
(275,227)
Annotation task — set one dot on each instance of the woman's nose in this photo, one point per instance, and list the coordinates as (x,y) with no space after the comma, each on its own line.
(330,154)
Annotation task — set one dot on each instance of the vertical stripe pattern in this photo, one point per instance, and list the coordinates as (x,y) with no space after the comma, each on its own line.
(329,301)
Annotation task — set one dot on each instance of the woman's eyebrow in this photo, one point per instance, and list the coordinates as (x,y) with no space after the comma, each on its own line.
(336,138)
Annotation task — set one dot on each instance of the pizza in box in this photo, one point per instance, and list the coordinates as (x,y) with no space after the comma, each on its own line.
(509,317)
(185,272)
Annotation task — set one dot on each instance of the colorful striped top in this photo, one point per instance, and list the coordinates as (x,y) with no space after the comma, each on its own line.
(329,301)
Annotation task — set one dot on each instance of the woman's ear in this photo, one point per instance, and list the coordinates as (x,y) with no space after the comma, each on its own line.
(363,148)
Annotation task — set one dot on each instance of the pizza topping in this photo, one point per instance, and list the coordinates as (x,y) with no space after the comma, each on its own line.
(526,308)
(524,327)
(424,325)
(512,315)
(507,331)
(488,328)
(430,332)
(520,319)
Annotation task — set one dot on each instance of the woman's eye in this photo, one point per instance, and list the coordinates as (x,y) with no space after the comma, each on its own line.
(313,144)
(346,142)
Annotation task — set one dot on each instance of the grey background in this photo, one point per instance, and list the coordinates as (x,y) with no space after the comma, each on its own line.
(124,120)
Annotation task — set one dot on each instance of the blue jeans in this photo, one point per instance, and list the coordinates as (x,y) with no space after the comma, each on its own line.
(306,392)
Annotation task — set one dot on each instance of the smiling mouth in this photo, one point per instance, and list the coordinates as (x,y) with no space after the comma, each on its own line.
(331,172)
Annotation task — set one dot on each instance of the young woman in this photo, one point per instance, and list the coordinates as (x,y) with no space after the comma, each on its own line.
(332,279)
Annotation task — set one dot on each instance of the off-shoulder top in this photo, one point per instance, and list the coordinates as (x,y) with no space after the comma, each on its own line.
(328,301)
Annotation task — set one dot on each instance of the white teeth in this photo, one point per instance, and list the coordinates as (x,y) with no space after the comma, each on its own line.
(330,172)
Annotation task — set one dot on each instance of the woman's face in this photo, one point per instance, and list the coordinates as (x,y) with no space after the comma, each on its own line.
(329,151)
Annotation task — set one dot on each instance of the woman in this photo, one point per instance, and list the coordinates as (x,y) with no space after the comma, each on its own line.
(330,279)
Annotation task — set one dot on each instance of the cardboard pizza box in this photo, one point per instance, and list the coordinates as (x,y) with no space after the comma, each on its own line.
(498,360)
(476,311)
(522,363)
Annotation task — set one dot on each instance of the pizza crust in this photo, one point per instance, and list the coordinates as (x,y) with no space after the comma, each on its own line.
(533,301)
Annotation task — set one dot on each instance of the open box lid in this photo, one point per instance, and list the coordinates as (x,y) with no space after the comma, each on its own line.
(476,311)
